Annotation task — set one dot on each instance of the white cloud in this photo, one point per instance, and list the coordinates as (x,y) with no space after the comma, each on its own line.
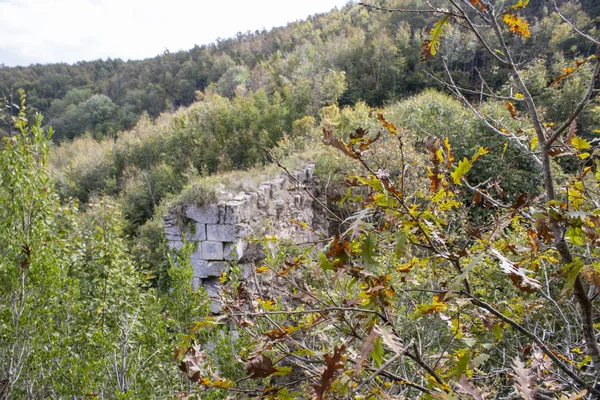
(47,31)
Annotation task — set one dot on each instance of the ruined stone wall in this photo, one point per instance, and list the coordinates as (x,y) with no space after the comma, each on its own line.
(223,231)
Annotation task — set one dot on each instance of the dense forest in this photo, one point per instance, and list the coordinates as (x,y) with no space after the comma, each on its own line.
(456,143)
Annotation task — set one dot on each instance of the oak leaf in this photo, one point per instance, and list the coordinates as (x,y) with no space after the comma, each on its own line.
(259,366)
(517,24)
(333,364)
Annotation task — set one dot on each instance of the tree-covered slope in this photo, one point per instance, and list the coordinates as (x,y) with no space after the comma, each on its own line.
(377,52)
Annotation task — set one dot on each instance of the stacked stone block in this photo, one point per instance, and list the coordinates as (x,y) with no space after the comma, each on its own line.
(220,231)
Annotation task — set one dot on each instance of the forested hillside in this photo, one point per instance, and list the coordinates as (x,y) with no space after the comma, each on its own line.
(456,146)
(378,54)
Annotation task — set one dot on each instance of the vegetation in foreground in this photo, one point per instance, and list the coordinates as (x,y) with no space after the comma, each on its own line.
(465,264)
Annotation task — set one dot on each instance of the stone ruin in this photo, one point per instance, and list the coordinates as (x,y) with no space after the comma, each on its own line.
(223,232)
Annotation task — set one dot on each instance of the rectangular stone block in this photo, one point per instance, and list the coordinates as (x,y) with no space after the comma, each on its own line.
(216,267)
(200,268)
(204,215)
(234,251)
(198,234)
(196,283)
(212,250)
(220,233)
(197,253)
(174,237)
(175,244)
(172,230)
(230,212)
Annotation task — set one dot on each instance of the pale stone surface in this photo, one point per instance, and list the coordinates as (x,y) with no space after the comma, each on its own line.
(235,250)
(242,230)
(174,244)
(199,233)
(196,283)
(197,253)
(220,233)
(200,268)
(262,199)
(223,231)
(204,215)
(212,250)
(174,237)
(214,268)
(172,230)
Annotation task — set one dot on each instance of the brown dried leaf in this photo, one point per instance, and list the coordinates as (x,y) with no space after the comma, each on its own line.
(330,140)
(478,4)
(512,110)
(333,364)
(366,349)
(259,366)
(191,363)
(524,379)
(465,387)
(591,275)
(390,339)
(569,70)
(517,275)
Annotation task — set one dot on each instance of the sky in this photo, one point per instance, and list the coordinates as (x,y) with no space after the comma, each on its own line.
(48,31)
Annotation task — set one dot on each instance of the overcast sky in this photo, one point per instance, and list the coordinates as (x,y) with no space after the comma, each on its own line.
(46,31)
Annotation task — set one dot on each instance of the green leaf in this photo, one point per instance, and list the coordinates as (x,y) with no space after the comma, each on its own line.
(573,270)
(367,248)
(378,351)
(431,46)
(463,362)
(463,167)
(400,244)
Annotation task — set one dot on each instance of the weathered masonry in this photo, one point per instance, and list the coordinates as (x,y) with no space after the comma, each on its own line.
(280,207)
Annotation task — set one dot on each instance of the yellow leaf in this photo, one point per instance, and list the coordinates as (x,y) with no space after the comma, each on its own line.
(519,96)
(580,143)
(438,196)
(481,151)
(517,24)
(268,305)
(585,360)
(262,269)
(448,149)
(534,142)
(520,4)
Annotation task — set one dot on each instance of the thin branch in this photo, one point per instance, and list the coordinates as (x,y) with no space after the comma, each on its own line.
(276,161)
(477,34)
(585,35)
(375,373)
(453,88)
(433,10)
(537,340)
(555,135)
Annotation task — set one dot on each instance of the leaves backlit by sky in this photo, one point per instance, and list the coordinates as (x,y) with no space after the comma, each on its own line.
(45,31)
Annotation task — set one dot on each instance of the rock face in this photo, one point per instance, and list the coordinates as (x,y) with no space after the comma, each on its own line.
(280,207)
